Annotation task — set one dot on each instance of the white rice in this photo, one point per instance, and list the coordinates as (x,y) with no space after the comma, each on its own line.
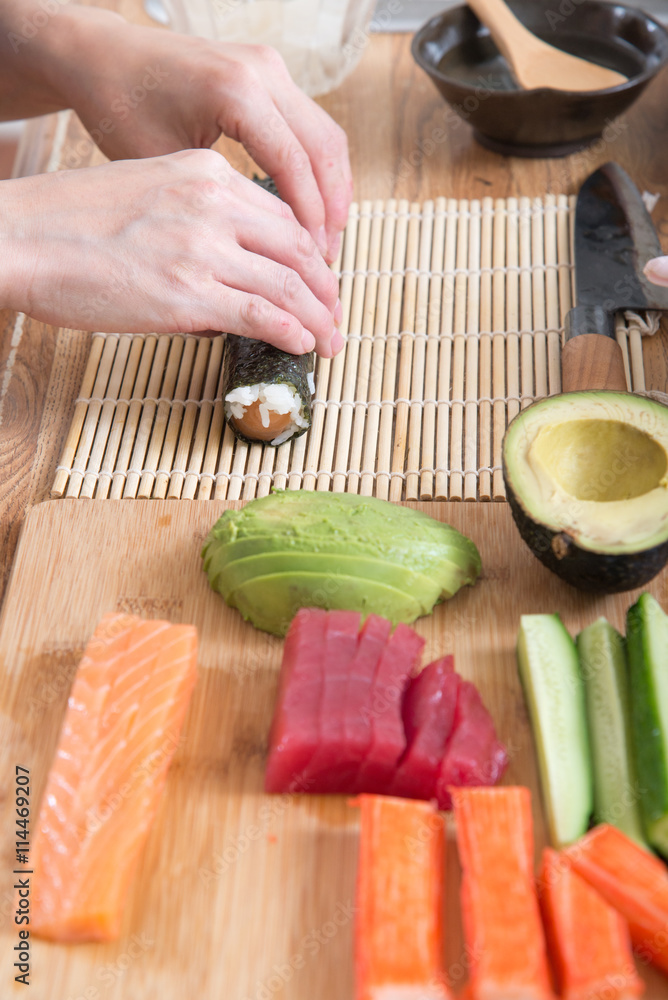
(274,397)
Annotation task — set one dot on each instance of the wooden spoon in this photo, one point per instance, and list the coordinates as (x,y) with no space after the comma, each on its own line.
(535,63)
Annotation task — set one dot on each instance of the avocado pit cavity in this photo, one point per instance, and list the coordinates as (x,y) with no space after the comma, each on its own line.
(600,460)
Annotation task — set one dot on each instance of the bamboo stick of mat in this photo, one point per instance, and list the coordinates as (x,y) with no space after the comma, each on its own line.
(406,349)
(169,411)
(178,464)
(445,353)
(342,373)
(563,258)
(271,462)
(512,308)
(210,463)
(296,455)
(235,481)
(224,469)
(131,382)
(637,381)
(499,283)
(80,410)
(538,310)
(485,374)
(149,377)
(330,370)
(104,373)
(252,473)
(428,454)
(104,419)
(138,425)
(377,325)
(363,380)
(368,245)
(621,333)
(526,314)
(458,356)
(196,461)
(392,352)
(295,458)
(552,297)
(414,450)
(472,343)
(110,375)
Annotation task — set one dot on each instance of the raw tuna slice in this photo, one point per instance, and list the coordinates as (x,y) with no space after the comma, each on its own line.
(399,659)
(473,754)
(429,715)
(323,774)
(358,735)
(294,733)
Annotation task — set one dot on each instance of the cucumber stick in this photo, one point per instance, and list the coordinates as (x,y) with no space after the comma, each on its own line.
(647,648)
(604,671)
(550,673)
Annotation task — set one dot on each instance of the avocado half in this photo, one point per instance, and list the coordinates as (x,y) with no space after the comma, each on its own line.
(586,477)
(334,550)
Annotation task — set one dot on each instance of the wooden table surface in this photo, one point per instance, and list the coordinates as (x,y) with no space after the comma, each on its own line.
(388,108)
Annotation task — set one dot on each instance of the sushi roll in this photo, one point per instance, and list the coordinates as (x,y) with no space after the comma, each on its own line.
(266,392)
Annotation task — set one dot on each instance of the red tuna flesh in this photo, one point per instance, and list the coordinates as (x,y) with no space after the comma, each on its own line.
(473,755)
(428,716)
(294,735)
(398,661)
(329,765)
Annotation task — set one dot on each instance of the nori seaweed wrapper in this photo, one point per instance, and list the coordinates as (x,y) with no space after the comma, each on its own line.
(247,362)
(268,183)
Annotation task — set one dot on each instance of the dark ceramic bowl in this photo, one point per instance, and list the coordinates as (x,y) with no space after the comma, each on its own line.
(457,52)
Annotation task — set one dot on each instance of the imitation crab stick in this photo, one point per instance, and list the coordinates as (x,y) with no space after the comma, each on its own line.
(121,728)
(631,880)
(399,891)
(503,931)
(588,940)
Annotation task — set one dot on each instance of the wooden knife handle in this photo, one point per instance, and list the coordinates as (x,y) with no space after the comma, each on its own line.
(592,361)
(591,358)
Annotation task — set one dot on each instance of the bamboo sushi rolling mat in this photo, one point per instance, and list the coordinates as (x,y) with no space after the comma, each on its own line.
(453,313)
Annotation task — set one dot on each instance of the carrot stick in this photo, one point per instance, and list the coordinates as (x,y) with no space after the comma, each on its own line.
(588,940)
(399,889)
(504,937)
(631,880)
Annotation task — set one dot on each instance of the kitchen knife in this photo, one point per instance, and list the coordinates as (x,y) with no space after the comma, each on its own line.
(614,239)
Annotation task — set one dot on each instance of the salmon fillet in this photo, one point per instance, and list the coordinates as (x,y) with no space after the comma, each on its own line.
(121,728)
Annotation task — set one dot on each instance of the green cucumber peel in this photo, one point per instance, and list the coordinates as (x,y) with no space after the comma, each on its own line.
(647,648)
(605,673)
(550,672)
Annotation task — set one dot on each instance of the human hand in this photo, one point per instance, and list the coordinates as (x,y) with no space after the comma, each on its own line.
(657,270)
(177,243)
(159,92)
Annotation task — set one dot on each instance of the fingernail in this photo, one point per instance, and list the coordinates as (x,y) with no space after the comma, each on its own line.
(333,246)
(657,269)
(336,342)
(308,341)
(338,312)
(322,241)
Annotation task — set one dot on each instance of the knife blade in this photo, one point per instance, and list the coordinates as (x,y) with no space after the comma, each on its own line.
(614,239)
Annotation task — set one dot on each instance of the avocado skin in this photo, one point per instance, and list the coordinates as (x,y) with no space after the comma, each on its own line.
(303,532)
(595,572)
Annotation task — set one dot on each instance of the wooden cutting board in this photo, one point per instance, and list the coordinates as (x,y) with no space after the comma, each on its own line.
(240,895)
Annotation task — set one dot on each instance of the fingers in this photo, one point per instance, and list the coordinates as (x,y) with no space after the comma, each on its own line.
(283,240)
(326,145)
(283,288)
(657,270)
(250,315)
(295,141)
